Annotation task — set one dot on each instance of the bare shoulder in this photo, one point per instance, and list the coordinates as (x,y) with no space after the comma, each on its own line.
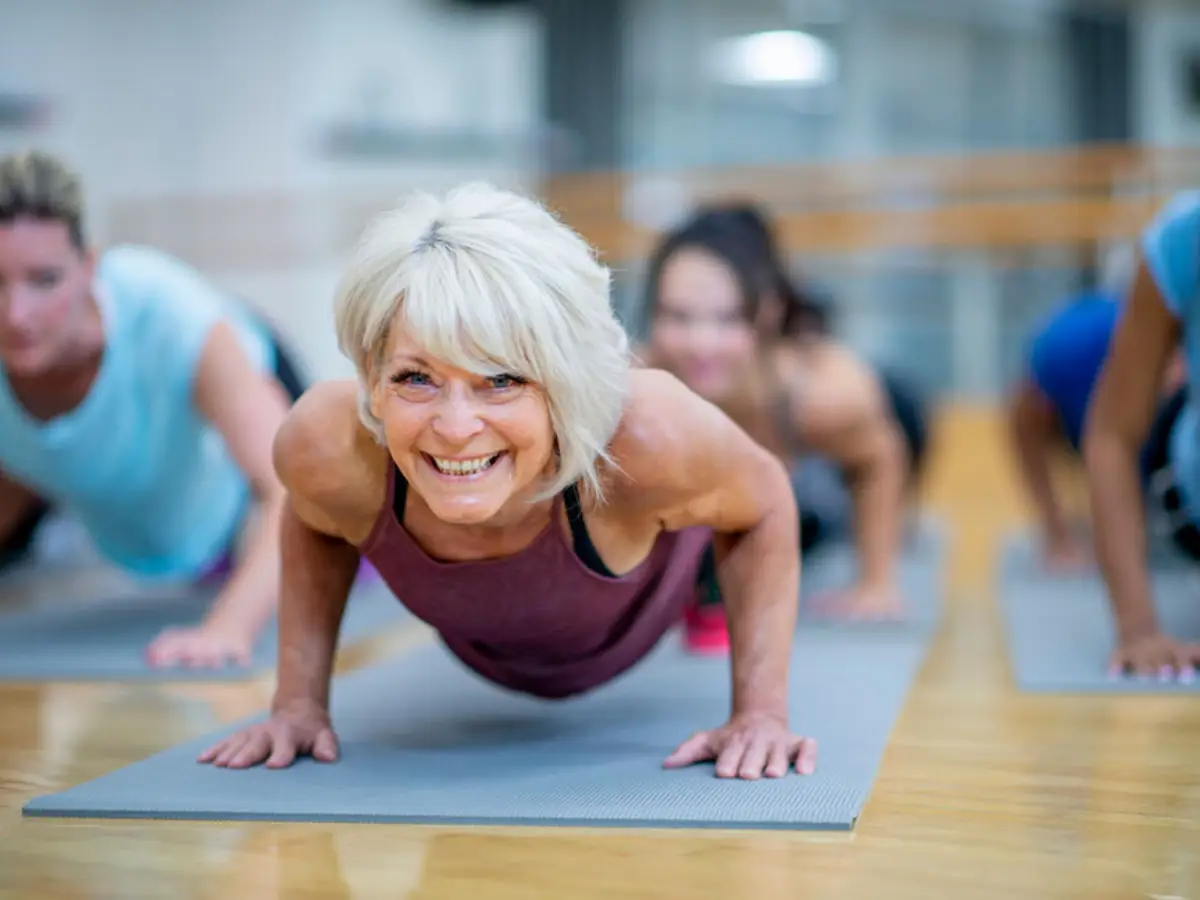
(331,465)
(832,386)
(672,440)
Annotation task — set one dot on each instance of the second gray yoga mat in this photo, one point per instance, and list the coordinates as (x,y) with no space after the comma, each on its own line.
(1060,632)
(99,631)
(425,741)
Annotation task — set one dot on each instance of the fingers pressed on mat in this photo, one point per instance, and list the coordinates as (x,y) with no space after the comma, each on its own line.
(754,760)
(806,756)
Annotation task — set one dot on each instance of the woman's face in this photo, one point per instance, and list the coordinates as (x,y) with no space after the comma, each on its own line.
(468,444)
(700,331)
(45,282)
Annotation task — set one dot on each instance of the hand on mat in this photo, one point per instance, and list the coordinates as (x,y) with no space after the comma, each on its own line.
(748,746)
(1156,656)
(861,603)
(199,647)
(278,742)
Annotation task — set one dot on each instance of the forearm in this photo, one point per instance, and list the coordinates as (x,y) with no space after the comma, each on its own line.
(251,594)
(760,580)
(318,572)
(878,496)
(1032,450)
(1120,535)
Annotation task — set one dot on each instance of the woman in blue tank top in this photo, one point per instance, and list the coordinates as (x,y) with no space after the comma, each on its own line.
(136,398)
(1127,420)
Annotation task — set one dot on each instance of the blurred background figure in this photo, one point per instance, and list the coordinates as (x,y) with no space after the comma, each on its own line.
(727,320)
(142,401)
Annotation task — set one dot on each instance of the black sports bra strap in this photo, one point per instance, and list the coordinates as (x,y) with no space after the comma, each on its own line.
(580,539)
(399,493)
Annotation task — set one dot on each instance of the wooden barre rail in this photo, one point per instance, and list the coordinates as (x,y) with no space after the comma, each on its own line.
(995,225)
(1106,169)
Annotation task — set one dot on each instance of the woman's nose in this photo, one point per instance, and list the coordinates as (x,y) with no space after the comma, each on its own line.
(457,420)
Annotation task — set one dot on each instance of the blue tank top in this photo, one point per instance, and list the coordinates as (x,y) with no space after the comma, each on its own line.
(1171,246)
(149,478)
(1067,354)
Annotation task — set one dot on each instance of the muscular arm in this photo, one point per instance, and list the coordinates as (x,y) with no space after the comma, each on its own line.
(692,466)
(1119,419)
(247,407)
(849,423)
(317,455)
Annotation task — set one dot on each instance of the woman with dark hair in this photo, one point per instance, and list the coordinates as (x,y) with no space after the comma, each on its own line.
(725,318)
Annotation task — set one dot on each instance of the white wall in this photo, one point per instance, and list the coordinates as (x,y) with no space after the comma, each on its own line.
(197,125)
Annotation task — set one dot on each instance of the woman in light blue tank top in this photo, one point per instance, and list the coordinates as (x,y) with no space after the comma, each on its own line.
(137,399)
(1128,419)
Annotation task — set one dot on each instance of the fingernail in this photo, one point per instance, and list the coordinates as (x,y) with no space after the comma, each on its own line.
(1165,674)
(1187,676)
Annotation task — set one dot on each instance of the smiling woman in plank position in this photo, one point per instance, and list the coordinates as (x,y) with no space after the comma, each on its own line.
(524,492)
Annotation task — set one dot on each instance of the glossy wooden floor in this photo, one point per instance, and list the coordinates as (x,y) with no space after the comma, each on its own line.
(983,793)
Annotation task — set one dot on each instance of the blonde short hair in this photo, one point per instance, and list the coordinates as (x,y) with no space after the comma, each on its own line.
(491,282)
(38,185)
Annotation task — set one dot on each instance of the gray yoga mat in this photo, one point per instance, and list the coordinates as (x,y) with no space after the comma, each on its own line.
(1060,630)
(425,741)
(921,574)
(99,631)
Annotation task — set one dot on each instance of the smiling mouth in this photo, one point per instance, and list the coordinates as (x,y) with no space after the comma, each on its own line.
(462,468)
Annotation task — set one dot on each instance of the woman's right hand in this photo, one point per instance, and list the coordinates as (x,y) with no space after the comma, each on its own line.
(1156,655)
(278,741)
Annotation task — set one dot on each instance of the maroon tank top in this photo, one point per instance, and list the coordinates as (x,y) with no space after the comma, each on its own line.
(539,621)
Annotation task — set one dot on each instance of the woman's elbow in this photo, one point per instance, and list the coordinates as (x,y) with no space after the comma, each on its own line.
(776,498)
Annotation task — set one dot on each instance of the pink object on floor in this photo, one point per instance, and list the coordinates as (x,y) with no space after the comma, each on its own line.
(705,631)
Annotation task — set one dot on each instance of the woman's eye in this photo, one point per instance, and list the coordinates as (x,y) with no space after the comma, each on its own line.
(411,378)
(502,382)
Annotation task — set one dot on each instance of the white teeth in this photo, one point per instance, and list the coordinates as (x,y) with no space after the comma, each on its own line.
(464,466)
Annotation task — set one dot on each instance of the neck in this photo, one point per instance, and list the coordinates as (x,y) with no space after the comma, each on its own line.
(88,340)
(512,530)
(79,355)
(85,345)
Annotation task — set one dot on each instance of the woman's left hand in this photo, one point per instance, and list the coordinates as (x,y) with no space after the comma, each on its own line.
(749,746)
(861,603)
(202,647)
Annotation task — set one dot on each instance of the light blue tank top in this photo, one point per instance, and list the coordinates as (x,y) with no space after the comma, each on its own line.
(149,478)
(1171,246)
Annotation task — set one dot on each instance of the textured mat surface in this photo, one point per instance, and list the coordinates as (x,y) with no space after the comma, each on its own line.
(1060,630)
(424,741)
(100,630)
(922,571)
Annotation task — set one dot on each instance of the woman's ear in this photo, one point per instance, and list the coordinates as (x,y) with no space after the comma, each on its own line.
(374,385)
